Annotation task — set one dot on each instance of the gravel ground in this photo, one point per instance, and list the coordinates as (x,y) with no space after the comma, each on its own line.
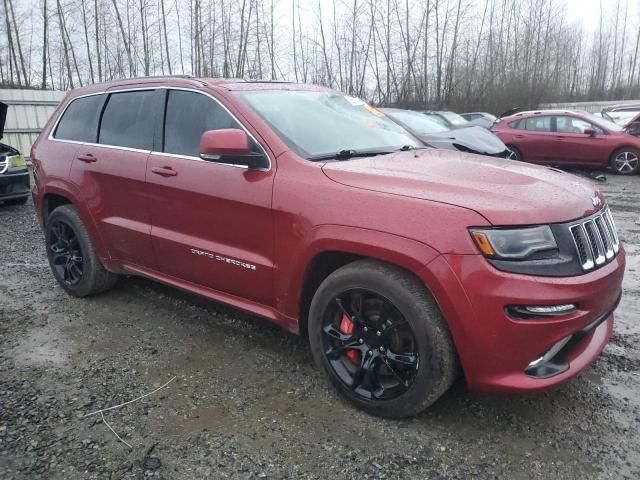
(247,401)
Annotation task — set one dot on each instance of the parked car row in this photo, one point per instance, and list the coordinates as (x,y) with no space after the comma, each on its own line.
(404,265)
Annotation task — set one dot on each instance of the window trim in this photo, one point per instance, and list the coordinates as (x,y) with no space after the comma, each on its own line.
(108,91)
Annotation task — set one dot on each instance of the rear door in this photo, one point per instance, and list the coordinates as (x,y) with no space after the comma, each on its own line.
(212,223)
(110,174)
(534,138)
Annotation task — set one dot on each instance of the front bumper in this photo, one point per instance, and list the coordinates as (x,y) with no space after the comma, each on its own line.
(14,185)
(496,350)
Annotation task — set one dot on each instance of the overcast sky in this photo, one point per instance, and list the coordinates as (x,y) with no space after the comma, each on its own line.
(588,11)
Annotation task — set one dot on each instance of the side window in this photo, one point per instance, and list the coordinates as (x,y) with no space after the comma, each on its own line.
(565,124)
(518,124)
(536,124)
(187,116)
(128,120)
(79,121)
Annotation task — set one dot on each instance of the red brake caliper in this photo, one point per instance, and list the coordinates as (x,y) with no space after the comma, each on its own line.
(346,326)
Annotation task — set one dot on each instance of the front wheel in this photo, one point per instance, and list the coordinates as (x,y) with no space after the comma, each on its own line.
(516,154)
(625,161)
(379,336)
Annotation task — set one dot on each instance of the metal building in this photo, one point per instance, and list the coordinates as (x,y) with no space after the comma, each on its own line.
(27,113)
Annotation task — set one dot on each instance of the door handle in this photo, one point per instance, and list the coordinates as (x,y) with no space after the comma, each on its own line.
(518,136)
(560,138)
(88,158)
(164,171)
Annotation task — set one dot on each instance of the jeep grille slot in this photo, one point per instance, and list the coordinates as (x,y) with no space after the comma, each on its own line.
(595,239)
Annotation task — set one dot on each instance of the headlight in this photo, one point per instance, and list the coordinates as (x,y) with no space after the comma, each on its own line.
(513,244)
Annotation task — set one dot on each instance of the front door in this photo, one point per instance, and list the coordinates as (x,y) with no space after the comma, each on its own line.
(576,147)
(211,223)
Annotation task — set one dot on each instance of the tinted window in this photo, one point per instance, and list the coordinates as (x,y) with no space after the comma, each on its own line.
(188,115)
(536,124)
(128,120)
(80,120)
(517,124)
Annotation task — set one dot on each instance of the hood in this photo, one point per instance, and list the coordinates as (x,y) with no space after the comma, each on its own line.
(3,117)
(505,192)
(474,139)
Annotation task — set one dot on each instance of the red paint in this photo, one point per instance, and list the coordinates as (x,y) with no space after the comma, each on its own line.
(248,237)
(224,142)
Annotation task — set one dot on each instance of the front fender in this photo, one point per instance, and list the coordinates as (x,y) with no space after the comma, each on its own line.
(401,251)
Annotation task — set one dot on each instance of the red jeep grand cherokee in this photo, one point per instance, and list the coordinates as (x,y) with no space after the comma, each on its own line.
(311,208)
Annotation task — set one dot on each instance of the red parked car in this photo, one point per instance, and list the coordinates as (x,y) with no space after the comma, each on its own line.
(564,138)
(402,264)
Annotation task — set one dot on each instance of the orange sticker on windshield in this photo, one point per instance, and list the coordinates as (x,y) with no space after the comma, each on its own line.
(375,111)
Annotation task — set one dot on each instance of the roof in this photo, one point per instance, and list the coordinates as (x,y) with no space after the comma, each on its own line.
(231,84)
(27,112)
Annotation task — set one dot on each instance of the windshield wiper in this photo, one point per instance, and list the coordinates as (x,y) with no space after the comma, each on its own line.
(351,153)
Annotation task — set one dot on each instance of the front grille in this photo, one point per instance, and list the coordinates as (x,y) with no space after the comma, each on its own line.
(595,239)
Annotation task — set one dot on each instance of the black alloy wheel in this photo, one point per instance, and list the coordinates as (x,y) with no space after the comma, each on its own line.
(67,259)
(370,345)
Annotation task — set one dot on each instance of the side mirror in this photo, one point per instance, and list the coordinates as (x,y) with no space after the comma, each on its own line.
(590,131)
(230,145)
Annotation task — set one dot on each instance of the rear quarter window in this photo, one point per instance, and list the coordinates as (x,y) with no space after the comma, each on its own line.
(79,121)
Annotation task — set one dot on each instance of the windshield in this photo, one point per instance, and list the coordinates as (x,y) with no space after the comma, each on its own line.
(315,124)
(454,118)
(418,122)
(603,122)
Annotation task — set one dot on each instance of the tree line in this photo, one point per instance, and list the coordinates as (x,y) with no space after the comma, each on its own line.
(461,54)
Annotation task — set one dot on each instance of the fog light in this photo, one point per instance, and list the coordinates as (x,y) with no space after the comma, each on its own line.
(525,312)
(550,309)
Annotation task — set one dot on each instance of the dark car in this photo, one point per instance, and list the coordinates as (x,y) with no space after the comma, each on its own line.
(570,139)
(472,139)
(481,119)
(14,174)
(404,266)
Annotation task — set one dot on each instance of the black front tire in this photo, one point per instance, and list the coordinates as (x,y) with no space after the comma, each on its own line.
(93,277)
(438,362)
(517,154)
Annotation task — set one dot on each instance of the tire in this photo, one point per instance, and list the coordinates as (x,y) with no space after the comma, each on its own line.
(16,201)
(625,161)
(72,257)
(517,154)
(370,283)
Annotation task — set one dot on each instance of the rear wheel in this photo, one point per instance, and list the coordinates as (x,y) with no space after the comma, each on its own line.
(625,161)
(72,257)
(515,153)
(379,336)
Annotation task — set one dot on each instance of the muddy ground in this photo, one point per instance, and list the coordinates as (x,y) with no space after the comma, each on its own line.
(247,401)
